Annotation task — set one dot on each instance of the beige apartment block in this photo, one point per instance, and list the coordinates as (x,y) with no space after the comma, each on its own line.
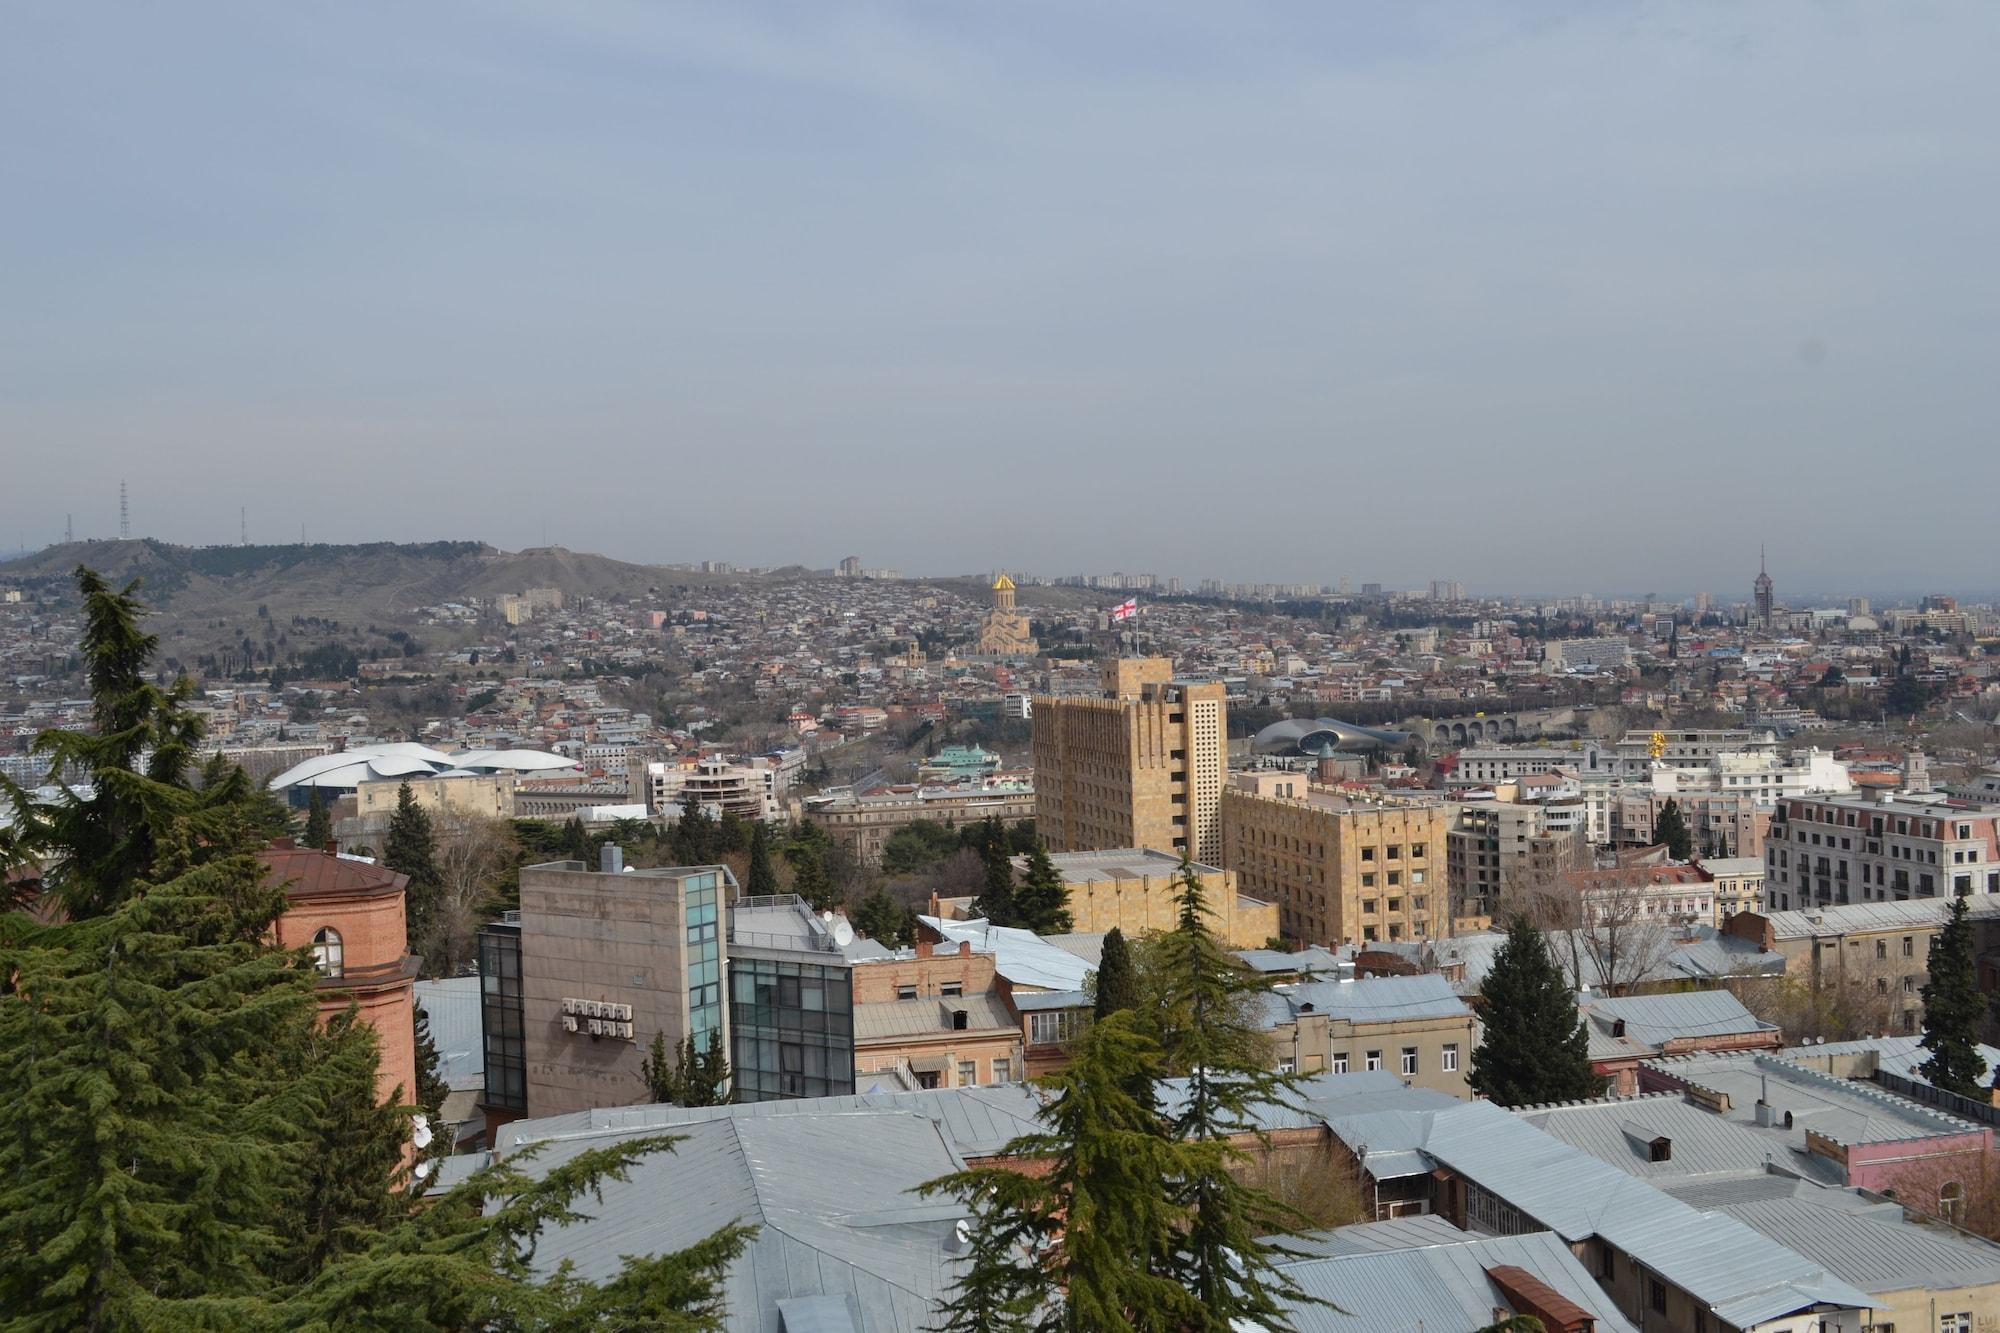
(1412,1027)
(474,794)
(1136,890)
(863,824)
(1340,871)
(1142,765)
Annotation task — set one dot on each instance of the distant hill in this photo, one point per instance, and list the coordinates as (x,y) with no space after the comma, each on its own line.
(381,581)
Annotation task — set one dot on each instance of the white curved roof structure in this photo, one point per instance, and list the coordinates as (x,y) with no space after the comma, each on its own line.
(511,761)
(350,768)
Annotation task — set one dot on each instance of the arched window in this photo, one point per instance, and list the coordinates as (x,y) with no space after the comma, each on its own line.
(326,950)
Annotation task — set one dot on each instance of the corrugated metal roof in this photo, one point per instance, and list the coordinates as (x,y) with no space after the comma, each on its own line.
(1849,918)
(1870,1245)
(1702,1143)
(881,1020)
(829,1195)
(1021,956)
(1438,1288)
(1898,1055)
(1743,1276)
(452,1006)
(1370,999)
(1843,1110)
(1654,1020)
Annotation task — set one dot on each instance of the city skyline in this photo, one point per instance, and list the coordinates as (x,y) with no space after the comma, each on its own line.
(1625,289)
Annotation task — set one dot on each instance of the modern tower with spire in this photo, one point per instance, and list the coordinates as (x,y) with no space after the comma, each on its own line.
(1761,592)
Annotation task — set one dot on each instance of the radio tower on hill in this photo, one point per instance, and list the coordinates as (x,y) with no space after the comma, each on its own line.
(124,515)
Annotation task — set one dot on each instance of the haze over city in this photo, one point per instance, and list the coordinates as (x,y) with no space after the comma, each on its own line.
(1547,299)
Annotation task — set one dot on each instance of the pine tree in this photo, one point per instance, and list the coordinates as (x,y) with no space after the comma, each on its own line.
(1203,1015)
(97,843)
(809,875)
(1041,903)
(694,834)
(763,876)
(1671,829)
(468,1262)
(1952,1010)
(319,823)
(662,1072)
(1535,1048)
(174,1109)
(1073,1242)
(411,850)
(1117,986)
(883,919)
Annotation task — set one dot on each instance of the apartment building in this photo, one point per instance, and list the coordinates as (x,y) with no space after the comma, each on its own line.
(1141,765)
(1825,851)
(1341,870)
(1414,1027)
(927,1017)
(1483,767)
(1497,852)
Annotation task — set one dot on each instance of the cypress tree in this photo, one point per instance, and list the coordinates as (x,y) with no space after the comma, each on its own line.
(1671,828)
(763,875)
(1041,903)
(996,899)
(319,822)
(689,1076)
(1117,986)
(1204,1015)
(1952,1010)
(411,850)
(1535,1048)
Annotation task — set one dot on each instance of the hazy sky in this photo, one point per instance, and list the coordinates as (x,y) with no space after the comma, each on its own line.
(1536,296)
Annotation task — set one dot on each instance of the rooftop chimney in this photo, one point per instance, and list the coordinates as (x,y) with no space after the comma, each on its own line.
(611,858)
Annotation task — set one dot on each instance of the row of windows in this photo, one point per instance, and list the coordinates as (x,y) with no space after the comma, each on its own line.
(1447,1061)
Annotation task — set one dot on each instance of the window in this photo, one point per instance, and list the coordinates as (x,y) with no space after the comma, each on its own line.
(1395,851)
(1368,853)
(1052,1027)
(1285,1066)
(1656,1295)
(1607,1261)
(1395,878)
(1368,904)
(1003,1070)
(1955,1323)
(968,1073)
(1909,947)
(326,951)
(1450,1063)
(1409,1061)
(1951,1200)
(1881,948)
(1416,850)
(952,989)
(1368,881)
(1340,1062)
(1374,1061)
(906,992)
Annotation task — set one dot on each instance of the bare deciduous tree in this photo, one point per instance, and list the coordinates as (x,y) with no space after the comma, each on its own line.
(472,852)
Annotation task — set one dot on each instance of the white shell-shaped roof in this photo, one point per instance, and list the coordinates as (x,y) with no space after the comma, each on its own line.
(511,761)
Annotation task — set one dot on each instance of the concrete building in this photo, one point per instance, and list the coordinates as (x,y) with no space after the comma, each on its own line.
(1414,1027)
(1134,889)
(1141,766)
(1499,852)
(1738,884)
(1484,767)
(349,913)
(1827,851)
(1722,824)
(1341,871)
(746,790)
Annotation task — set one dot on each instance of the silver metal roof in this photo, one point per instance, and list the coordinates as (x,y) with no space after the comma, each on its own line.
(1370,999)
(452,1006)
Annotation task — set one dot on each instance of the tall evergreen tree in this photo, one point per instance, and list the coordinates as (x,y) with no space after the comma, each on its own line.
(411,849)
(1117,984)
(98,841)
(686,1076)
(763,875)
(694,834)
(996,898)
(810,879)
(319,822)
(1204,1018)
(1535,1048)
(1671,829)
(1071,1242)
(1041,902)
(883,919)
(1952,1010)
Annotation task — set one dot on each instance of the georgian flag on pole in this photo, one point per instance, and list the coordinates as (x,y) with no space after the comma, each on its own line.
(1125,610)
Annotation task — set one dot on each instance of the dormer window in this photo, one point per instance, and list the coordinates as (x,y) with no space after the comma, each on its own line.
(326,951)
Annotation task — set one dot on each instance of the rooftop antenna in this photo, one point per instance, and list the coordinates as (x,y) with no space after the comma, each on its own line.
(69,528)
(124,514)
(243,524)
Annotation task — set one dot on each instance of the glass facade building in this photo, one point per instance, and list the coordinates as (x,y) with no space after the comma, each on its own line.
(700,897)
(500,1016)
(793,1029)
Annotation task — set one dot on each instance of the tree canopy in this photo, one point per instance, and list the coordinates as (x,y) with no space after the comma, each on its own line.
(1953,1009)
(1535,1048)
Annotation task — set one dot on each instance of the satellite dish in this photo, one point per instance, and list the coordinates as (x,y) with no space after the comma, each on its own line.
(843,933)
